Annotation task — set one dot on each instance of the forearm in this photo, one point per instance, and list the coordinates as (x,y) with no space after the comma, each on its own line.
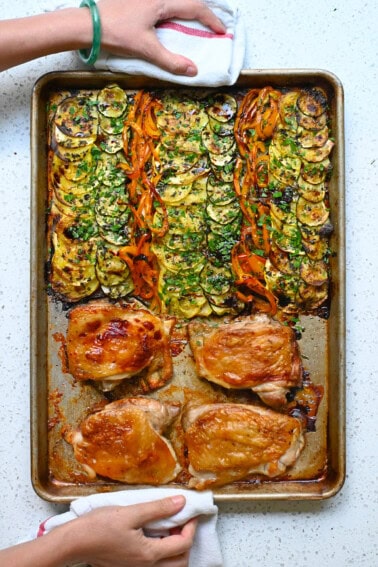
(57,549)
(25,39)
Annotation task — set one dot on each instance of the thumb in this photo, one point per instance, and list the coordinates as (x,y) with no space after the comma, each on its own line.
(174,63)
(142,514)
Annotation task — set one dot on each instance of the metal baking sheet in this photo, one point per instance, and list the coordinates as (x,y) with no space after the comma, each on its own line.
(320,471)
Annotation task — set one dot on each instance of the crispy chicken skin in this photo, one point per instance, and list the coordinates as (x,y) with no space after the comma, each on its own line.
(111,342)
(229,442)
(253,352)
(123,442)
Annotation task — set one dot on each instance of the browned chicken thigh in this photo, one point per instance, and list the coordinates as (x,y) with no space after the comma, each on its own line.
(254,352)
(109,342)
(123,442)
(229,442)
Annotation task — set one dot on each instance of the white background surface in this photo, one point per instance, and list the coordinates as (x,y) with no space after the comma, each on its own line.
(339,36)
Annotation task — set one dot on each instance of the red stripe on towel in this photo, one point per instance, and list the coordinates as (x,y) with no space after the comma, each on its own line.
(42,529)
(192,31)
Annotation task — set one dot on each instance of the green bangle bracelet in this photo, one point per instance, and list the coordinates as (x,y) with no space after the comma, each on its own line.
(91,57)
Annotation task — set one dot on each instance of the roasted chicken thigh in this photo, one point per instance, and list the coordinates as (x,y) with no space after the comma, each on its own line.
(229,442)
(253,352)
(110,342)
(123,442)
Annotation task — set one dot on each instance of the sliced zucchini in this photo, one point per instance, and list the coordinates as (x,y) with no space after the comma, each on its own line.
(110,125)
(219,192)
(283,286)
(313,102)
(71,142)
(173,194)
(188,177)
(221,128)
(317,249)
(75,117)
(227,230)
(198,193)
(315,173)
(284,144)
(220,246)
(111,143)
(216,144)
(189,306)
(192,142)
(215,280)
(316,155)
(224,173)
(221,160)
(311,297)
(112,222)
(313,138)
(120,290)
(314,233)
(223,214)
(312,214)
(310,192)
(181,219)
(111,270)
(113,203)
(287,110)
(71,154)
(312,122)
(108,172)
(285,212)
(73,170)
(282,260)
(112,101)
(314,273)
(183,242)
(179,162)
(118,237)
(288,239)
(223,107)
(284,168)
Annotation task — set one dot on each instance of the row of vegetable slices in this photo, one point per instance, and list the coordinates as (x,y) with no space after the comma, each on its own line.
(233,188)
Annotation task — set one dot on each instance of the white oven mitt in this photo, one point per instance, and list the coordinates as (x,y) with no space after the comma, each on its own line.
(206,549)
(219,58)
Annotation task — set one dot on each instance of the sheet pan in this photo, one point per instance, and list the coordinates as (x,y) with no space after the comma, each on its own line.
(320,471)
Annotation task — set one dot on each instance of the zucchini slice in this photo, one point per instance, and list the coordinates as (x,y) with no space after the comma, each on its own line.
(317,249)
(110,143)
(219,192)
(188,177)
(110,125)
(288,239)
(216,144)
(312,214)
(317,172)
(283,286)
(119,290)
(221,128)
(283,168)
(112,101)
(314,273)
(311,297)
(221,160)
(316,155)
(313,102)
(223,173)
(287,111)
(313,193)
(223,107)
(313,138)
(71,154)
(71,142)
(173,194)
(215,280)
(73,170)
(312,122)
(76,117)
(223,214)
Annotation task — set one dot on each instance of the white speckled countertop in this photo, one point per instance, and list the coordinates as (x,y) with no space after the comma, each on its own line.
(339,36)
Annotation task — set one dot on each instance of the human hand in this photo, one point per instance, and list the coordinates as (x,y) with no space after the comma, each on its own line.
(128,29)
(113,536)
